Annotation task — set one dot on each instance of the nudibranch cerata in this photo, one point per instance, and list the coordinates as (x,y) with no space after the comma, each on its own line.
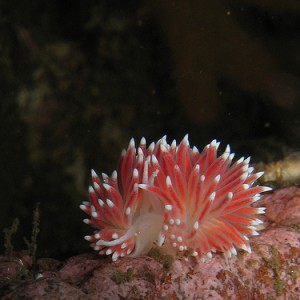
(175,197)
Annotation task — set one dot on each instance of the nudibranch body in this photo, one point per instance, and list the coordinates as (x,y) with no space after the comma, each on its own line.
(175,197)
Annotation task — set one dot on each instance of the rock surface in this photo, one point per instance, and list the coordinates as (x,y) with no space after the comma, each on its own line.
(271,271)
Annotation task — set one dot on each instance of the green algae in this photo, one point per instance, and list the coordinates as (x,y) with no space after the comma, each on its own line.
(121,277)
(8,235)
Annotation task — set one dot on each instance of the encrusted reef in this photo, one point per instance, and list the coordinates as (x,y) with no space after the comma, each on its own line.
(271,271)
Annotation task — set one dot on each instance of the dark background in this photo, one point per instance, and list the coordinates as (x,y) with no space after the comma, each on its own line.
(78,80)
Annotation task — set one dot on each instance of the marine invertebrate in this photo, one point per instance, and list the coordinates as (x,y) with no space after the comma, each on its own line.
(127,218)
(176,197)
(282,173)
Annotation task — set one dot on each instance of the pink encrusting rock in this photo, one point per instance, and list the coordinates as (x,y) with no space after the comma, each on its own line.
(283,206)
(270,271)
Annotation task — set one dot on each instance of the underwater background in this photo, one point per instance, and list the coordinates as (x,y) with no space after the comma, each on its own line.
(78,80)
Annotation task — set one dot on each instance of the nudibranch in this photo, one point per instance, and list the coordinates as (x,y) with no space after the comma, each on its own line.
(175,197)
